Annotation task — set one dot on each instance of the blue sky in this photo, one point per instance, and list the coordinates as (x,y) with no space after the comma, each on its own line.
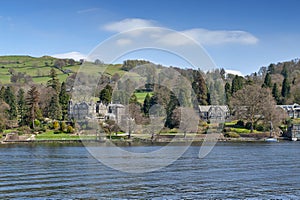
(238,35)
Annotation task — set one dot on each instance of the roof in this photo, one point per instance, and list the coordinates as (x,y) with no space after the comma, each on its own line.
(207,108)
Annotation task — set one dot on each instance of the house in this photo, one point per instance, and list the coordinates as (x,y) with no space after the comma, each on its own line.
(81,110)
(115,112)
(101,109)
(219,112)
(293,110)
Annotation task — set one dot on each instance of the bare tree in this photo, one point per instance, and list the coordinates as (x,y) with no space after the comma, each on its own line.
(253,103)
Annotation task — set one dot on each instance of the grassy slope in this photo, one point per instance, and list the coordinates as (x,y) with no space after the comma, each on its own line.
(39,68)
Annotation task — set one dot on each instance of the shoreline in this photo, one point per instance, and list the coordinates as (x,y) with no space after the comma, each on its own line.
(139,142)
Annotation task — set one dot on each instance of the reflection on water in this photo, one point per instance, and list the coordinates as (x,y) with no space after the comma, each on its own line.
(231,170)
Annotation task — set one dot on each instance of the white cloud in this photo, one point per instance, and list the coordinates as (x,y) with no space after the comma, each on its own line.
(75,55)
(129,24)
(203,36)
(123,42)
(215,37)
(235,72)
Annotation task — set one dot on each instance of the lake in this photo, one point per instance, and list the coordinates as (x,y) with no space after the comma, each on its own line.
(230,171)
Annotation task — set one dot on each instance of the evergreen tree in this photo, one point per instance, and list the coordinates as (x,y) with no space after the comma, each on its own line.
(222,73)
(173,103)
(275,93)
(32,100)
(200,88)
(268,81)
(54,82)
(237,84)
(21,106)
(54,108)
(271,68)
(284,71)
(64,99)
(285,91)
(227,92)
(106,94)
(10,99)
(147,105)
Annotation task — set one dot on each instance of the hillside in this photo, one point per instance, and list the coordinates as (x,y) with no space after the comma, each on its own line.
(26,69)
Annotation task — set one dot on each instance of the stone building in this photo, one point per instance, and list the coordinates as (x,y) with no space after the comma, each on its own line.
(217,112)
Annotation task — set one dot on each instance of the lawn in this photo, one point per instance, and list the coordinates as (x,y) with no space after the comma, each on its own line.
(141,96)
(51,135)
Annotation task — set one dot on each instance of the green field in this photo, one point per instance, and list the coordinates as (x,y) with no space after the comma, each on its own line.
(51,135)
(38,68)
(141,96)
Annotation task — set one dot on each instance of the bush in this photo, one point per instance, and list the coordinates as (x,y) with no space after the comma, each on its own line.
(70,129)
(259,127)
(239,124)
(56,125)
(173,130)
(248,125)
(231,135)
(24,130)
(63,126)
(37,123)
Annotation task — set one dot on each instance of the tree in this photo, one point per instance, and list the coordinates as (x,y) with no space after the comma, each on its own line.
(146,104)
(267,81)
(59,63)
(222,73)
(4,107)
(200,88)
(250,104)
(21,106)
(54,108)
(64,99)
(32,100)
(271,68)
(10,99)
(284,71)
(275,93)
(172,105)
(285,90)
(237,84)
(227,92)
(106,94)
(54,82)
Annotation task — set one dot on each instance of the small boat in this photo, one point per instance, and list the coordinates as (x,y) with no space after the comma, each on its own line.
(271,139)
(294,139)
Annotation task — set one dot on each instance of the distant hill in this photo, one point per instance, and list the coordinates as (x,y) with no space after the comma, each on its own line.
(26,69)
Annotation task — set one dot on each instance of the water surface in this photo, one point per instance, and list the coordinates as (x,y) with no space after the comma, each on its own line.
(231,170)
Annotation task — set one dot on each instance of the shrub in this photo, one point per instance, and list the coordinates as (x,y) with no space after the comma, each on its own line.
(231,135)
(70,129)
(173,130)
(63,126)
(56,125)
(24,130)
(239,124)
(248,125)
(259,127)
(37,123)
